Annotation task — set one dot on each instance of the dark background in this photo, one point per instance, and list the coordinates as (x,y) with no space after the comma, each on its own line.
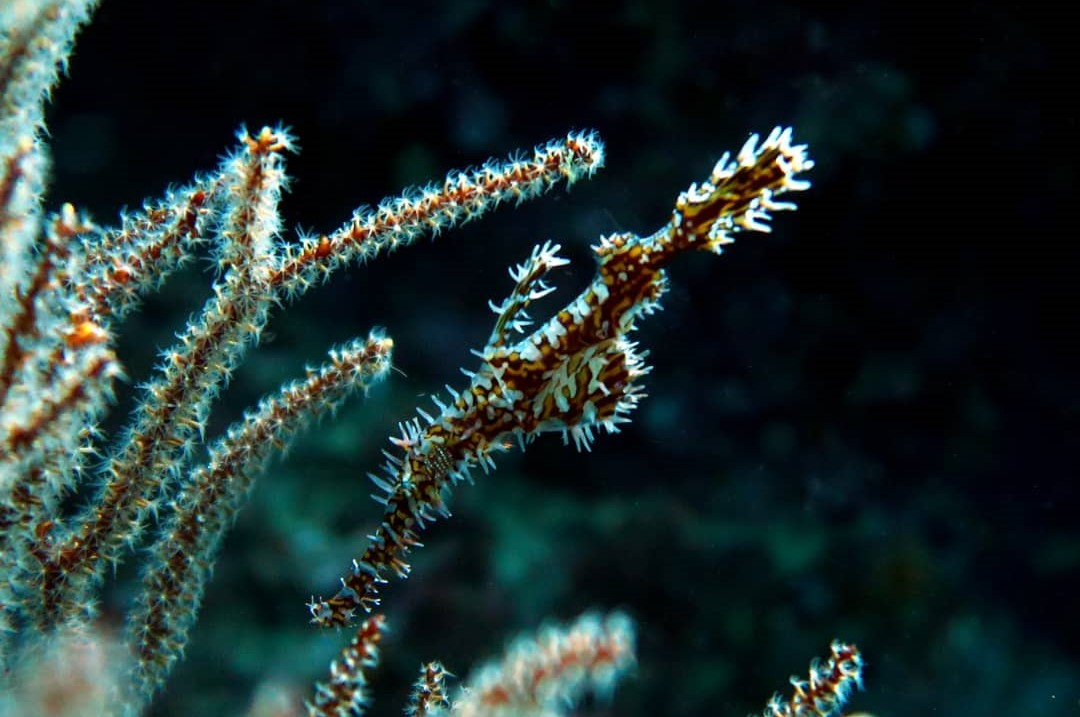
(862,426)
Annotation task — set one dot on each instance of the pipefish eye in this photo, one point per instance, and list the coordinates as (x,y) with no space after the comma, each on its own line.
(439,462)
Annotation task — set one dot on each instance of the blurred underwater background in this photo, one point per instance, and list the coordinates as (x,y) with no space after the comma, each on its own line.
(862,426)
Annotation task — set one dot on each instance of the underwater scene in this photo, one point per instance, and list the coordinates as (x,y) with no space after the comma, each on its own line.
(646,445)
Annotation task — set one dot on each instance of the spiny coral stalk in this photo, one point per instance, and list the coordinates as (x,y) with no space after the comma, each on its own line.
(542,674)
(827,689)
(576,373)
(36,39)
(174,407)
(429,692)
(345,693)
(462,197)
(545,674)
(181,558)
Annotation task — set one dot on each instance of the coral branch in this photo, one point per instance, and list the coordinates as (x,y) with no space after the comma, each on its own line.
(546,674)
(345,693)
(181,558)
(35,41)
(462,197)
(429,692)
(174,408)
(123,264)
(828,688)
